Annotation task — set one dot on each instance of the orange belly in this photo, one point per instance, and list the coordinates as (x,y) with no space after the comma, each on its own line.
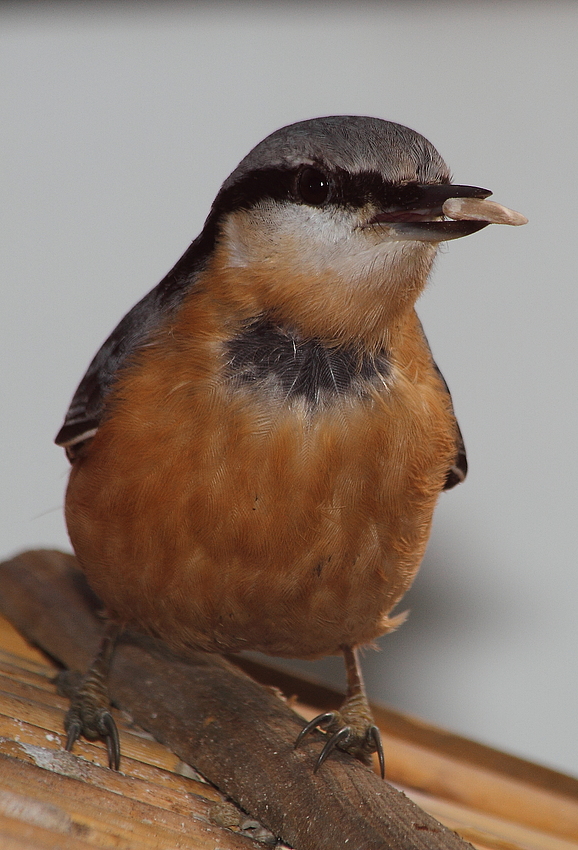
(217,519)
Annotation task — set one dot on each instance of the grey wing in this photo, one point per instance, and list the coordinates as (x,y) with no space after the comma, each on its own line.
(87,406)
(459,469)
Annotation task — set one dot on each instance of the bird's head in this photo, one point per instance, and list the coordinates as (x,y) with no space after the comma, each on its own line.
(333,223)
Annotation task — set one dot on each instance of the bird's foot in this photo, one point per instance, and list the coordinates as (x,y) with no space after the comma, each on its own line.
(89,714)
(352,729)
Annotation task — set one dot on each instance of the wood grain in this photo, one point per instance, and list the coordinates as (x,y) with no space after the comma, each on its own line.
(238,734)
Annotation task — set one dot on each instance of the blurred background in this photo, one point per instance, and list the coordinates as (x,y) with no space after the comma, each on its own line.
(119,123)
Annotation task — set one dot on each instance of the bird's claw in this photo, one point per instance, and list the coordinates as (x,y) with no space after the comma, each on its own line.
(89,715)
(360,742)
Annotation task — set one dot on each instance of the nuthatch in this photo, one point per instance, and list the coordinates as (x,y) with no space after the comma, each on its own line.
(257,449)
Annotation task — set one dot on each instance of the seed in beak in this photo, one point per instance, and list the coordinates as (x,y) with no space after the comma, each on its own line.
(476,209)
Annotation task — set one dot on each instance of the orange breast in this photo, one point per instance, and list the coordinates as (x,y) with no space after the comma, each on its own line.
(216,517)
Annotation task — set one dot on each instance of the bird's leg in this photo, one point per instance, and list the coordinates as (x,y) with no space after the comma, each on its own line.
(89,713)
(352,727)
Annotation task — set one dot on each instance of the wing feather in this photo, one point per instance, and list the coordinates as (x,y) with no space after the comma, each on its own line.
(133,331)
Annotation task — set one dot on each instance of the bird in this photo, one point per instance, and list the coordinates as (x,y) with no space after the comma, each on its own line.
(258,447)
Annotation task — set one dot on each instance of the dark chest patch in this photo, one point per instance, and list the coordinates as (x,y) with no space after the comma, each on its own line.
(281,361)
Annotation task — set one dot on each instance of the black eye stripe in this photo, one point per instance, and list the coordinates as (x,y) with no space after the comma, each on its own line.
(275,184)
(286,184)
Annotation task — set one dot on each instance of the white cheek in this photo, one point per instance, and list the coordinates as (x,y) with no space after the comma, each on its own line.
(238,244)
(298,234)
(316,242)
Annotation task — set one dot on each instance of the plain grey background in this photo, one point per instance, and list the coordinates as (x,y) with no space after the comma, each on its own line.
(120,121)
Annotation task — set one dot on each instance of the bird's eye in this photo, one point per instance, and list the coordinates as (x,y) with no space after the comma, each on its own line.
(312,186)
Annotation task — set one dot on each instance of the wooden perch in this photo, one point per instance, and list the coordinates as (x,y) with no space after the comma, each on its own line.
(235,732)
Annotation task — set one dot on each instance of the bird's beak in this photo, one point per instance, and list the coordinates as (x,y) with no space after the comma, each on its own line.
(417,213)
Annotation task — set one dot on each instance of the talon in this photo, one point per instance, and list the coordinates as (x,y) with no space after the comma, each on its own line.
(374,737)
(99,724)
(319,721)
(333,742)
(73,729)
(109,732)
